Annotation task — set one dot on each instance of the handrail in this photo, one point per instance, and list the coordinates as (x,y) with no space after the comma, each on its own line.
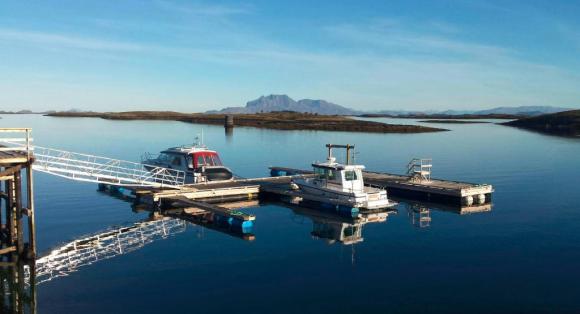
(13,144)
(84,167)
(91,168)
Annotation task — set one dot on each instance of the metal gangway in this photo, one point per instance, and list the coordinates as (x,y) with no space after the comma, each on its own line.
(91,168)
(71,256)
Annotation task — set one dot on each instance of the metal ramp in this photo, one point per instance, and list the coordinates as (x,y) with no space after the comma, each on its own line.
(89,168)
(70,257)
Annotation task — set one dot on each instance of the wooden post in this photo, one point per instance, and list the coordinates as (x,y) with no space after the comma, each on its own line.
(30,203)
(18,213)
(13,244)
(16,296)
(8,210)
(229,121)
(3,200)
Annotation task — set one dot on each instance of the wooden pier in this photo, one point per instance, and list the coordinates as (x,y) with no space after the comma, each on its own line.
(17,205)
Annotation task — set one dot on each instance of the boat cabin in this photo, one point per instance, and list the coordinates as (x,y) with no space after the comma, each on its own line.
(199,163)
(347,178)
(191,160)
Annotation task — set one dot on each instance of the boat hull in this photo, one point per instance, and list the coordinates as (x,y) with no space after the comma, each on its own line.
(374,200)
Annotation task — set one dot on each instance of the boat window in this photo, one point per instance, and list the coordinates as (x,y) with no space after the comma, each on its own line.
(323,173)
(164,157)
(189,162)
(320,173)
(200,161)
(216,160)
(331,174)
(176,161)
(209,160)
(350,175)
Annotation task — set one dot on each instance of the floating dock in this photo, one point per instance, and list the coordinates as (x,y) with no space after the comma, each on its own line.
(416,188)
(204,196)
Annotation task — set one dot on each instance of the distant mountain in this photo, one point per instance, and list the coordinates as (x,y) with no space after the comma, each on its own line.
(512,111)
(523,110)
(25,111)
(285,103)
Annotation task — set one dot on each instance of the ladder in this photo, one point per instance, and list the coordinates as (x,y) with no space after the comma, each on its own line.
(420,169)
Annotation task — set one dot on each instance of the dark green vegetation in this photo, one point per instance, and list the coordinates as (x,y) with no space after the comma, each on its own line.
(453,121)
(274,120)
(565,123)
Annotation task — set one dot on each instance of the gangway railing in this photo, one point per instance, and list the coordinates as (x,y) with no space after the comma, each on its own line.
(90,168)
(16,140)
(71,256)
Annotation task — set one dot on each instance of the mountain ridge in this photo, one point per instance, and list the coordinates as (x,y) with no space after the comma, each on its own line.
(281,102)
(274,102)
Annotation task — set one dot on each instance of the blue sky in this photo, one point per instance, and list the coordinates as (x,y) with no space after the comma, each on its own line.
(369,55)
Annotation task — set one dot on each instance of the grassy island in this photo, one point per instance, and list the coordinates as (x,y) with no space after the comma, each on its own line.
(454,121)
(273,120)
(566,123)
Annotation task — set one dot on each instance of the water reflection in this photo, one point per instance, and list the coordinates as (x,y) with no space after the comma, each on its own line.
(229,134)
(420,216)
(18,281)
(419,213)
(211,221)
(332,227)
(74,255)
(18,289)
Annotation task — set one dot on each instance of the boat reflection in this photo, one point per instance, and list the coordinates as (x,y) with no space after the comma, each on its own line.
(420,212)
(334,228)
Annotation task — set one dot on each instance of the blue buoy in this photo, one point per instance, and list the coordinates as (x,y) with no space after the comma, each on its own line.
(244,226)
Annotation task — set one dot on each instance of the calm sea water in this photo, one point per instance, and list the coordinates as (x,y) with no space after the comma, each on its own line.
(522,256)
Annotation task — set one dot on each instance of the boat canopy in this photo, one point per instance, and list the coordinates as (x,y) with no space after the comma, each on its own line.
(206,159)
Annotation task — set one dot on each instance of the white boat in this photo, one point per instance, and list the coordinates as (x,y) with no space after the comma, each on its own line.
(342,184)
(199,163)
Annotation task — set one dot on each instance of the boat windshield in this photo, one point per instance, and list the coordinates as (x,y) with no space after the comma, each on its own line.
(207,160)
(350,175)
(325,173)
(212,160)
(164,157)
